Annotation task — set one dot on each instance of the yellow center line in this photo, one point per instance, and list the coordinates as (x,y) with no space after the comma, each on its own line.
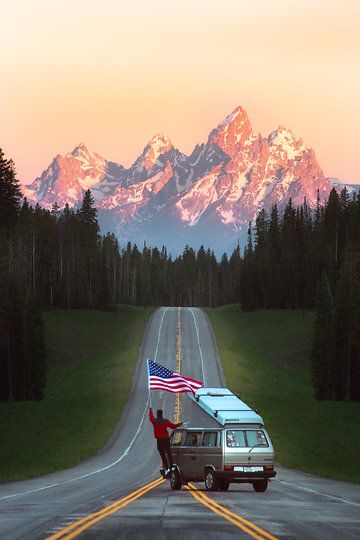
(178,367)
(247,526)
(81,525)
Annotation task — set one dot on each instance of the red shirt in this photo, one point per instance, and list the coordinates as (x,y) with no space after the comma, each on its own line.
(161,426)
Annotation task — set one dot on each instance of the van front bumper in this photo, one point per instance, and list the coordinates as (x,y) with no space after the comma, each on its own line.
(234,476)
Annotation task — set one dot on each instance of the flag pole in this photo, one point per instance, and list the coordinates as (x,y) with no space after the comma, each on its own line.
(148,370)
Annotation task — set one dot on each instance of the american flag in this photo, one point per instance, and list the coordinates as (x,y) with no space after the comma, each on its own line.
(162,378)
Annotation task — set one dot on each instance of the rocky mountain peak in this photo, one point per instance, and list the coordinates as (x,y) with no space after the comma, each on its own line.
(282,135)
(80,149)
(238,116)
(159,144)
(282,141)
(232,132)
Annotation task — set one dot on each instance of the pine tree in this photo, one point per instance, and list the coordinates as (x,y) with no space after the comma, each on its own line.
(287,261)
(189,277)
(223,280)
(248,287)
(274,254)
(262,259)
(235,272)
(88,214)
(10,194)
(88,261)
(330,235)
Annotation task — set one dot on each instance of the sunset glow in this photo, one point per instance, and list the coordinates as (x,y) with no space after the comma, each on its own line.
(113,73)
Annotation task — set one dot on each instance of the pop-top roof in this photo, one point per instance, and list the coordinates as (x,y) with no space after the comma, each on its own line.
(226,407)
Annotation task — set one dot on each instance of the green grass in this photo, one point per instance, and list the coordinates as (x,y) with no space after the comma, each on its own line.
(265,355)
(92,355)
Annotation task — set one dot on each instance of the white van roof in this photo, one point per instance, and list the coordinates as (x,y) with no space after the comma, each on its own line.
(226,407)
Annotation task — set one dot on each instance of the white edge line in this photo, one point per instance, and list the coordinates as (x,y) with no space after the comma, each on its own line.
(199,347)
(160,327)
(333,497)
(125,453)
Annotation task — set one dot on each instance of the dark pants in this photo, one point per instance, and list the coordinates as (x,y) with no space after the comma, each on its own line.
(163,446)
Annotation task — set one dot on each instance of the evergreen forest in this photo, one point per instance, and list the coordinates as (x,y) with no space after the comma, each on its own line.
(300,258)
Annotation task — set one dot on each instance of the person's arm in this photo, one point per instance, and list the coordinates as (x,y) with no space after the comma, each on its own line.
(151,415)
(171,425)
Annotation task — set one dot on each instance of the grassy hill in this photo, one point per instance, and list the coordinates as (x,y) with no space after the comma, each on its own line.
(92,355)
(265,355)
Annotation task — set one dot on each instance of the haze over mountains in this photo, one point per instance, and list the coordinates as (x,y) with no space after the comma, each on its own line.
(167,197)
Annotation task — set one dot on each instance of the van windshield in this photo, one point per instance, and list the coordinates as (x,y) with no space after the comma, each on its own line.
(245,438)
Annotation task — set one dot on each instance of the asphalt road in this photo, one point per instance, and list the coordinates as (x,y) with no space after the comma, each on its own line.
(92,496)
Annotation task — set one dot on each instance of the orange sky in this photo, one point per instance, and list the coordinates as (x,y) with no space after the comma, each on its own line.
(111,73)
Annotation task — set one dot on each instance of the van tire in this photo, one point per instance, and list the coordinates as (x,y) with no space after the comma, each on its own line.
(175,480)
(260,486)
(224,485)
(211,482)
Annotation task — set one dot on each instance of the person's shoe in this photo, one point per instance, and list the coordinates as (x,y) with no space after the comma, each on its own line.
(168,473)
(162,472)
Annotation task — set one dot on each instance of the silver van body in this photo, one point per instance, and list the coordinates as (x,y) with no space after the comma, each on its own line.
(223,452)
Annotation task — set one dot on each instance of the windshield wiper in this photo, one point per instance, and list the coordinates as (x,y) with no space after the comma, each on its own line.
(255,445)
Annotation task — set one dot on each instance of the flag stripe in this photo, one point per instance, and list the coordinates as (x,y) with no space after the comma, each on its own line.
(173,390)
(175,385)
(176,380)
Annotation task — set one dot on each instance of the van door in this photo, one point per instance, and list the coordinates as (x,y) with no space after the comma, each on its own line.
(210,452)
(190,454)
(176,449)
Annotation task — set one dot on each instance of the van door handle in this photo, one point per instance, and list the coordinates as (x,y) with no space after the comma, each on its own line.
(192,454)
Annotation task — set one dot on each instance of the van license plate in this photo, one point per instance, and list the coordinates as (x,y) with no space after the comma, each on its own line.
(253,469)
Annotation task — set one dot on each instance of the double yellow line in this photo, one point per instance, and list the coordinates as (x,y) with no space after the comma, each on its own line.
(178,367)
(73,530)
(240,522)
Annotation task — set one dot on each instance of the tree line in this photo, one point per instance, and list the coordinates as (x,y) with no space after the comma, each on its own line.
(22,348)
(311,259)
(300,258)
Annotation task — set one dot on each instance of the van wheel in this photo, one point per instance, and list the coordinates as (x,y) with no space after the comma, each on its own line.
(260,486)
(211,482)
(224,485)
(175,480)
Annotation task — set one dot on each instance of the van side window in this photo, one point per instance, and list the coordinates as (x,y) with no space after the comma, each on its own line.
(209,439)
(193,438)
(176,438)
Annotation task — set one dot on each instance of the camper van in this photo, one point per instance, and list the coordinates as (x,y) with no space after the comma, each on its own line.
(226,443)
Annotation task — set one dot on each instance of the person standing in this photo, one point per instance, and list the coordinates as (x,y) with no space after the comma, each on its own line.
(161,425)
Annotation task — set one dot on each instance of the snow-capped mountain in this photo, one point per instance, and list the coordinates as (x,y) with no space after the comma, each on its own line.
(167,197)
(67,177)
(339,185)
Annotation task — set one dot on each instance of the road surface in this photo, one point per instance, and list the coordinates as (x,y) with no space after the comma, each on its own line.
(118,493)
